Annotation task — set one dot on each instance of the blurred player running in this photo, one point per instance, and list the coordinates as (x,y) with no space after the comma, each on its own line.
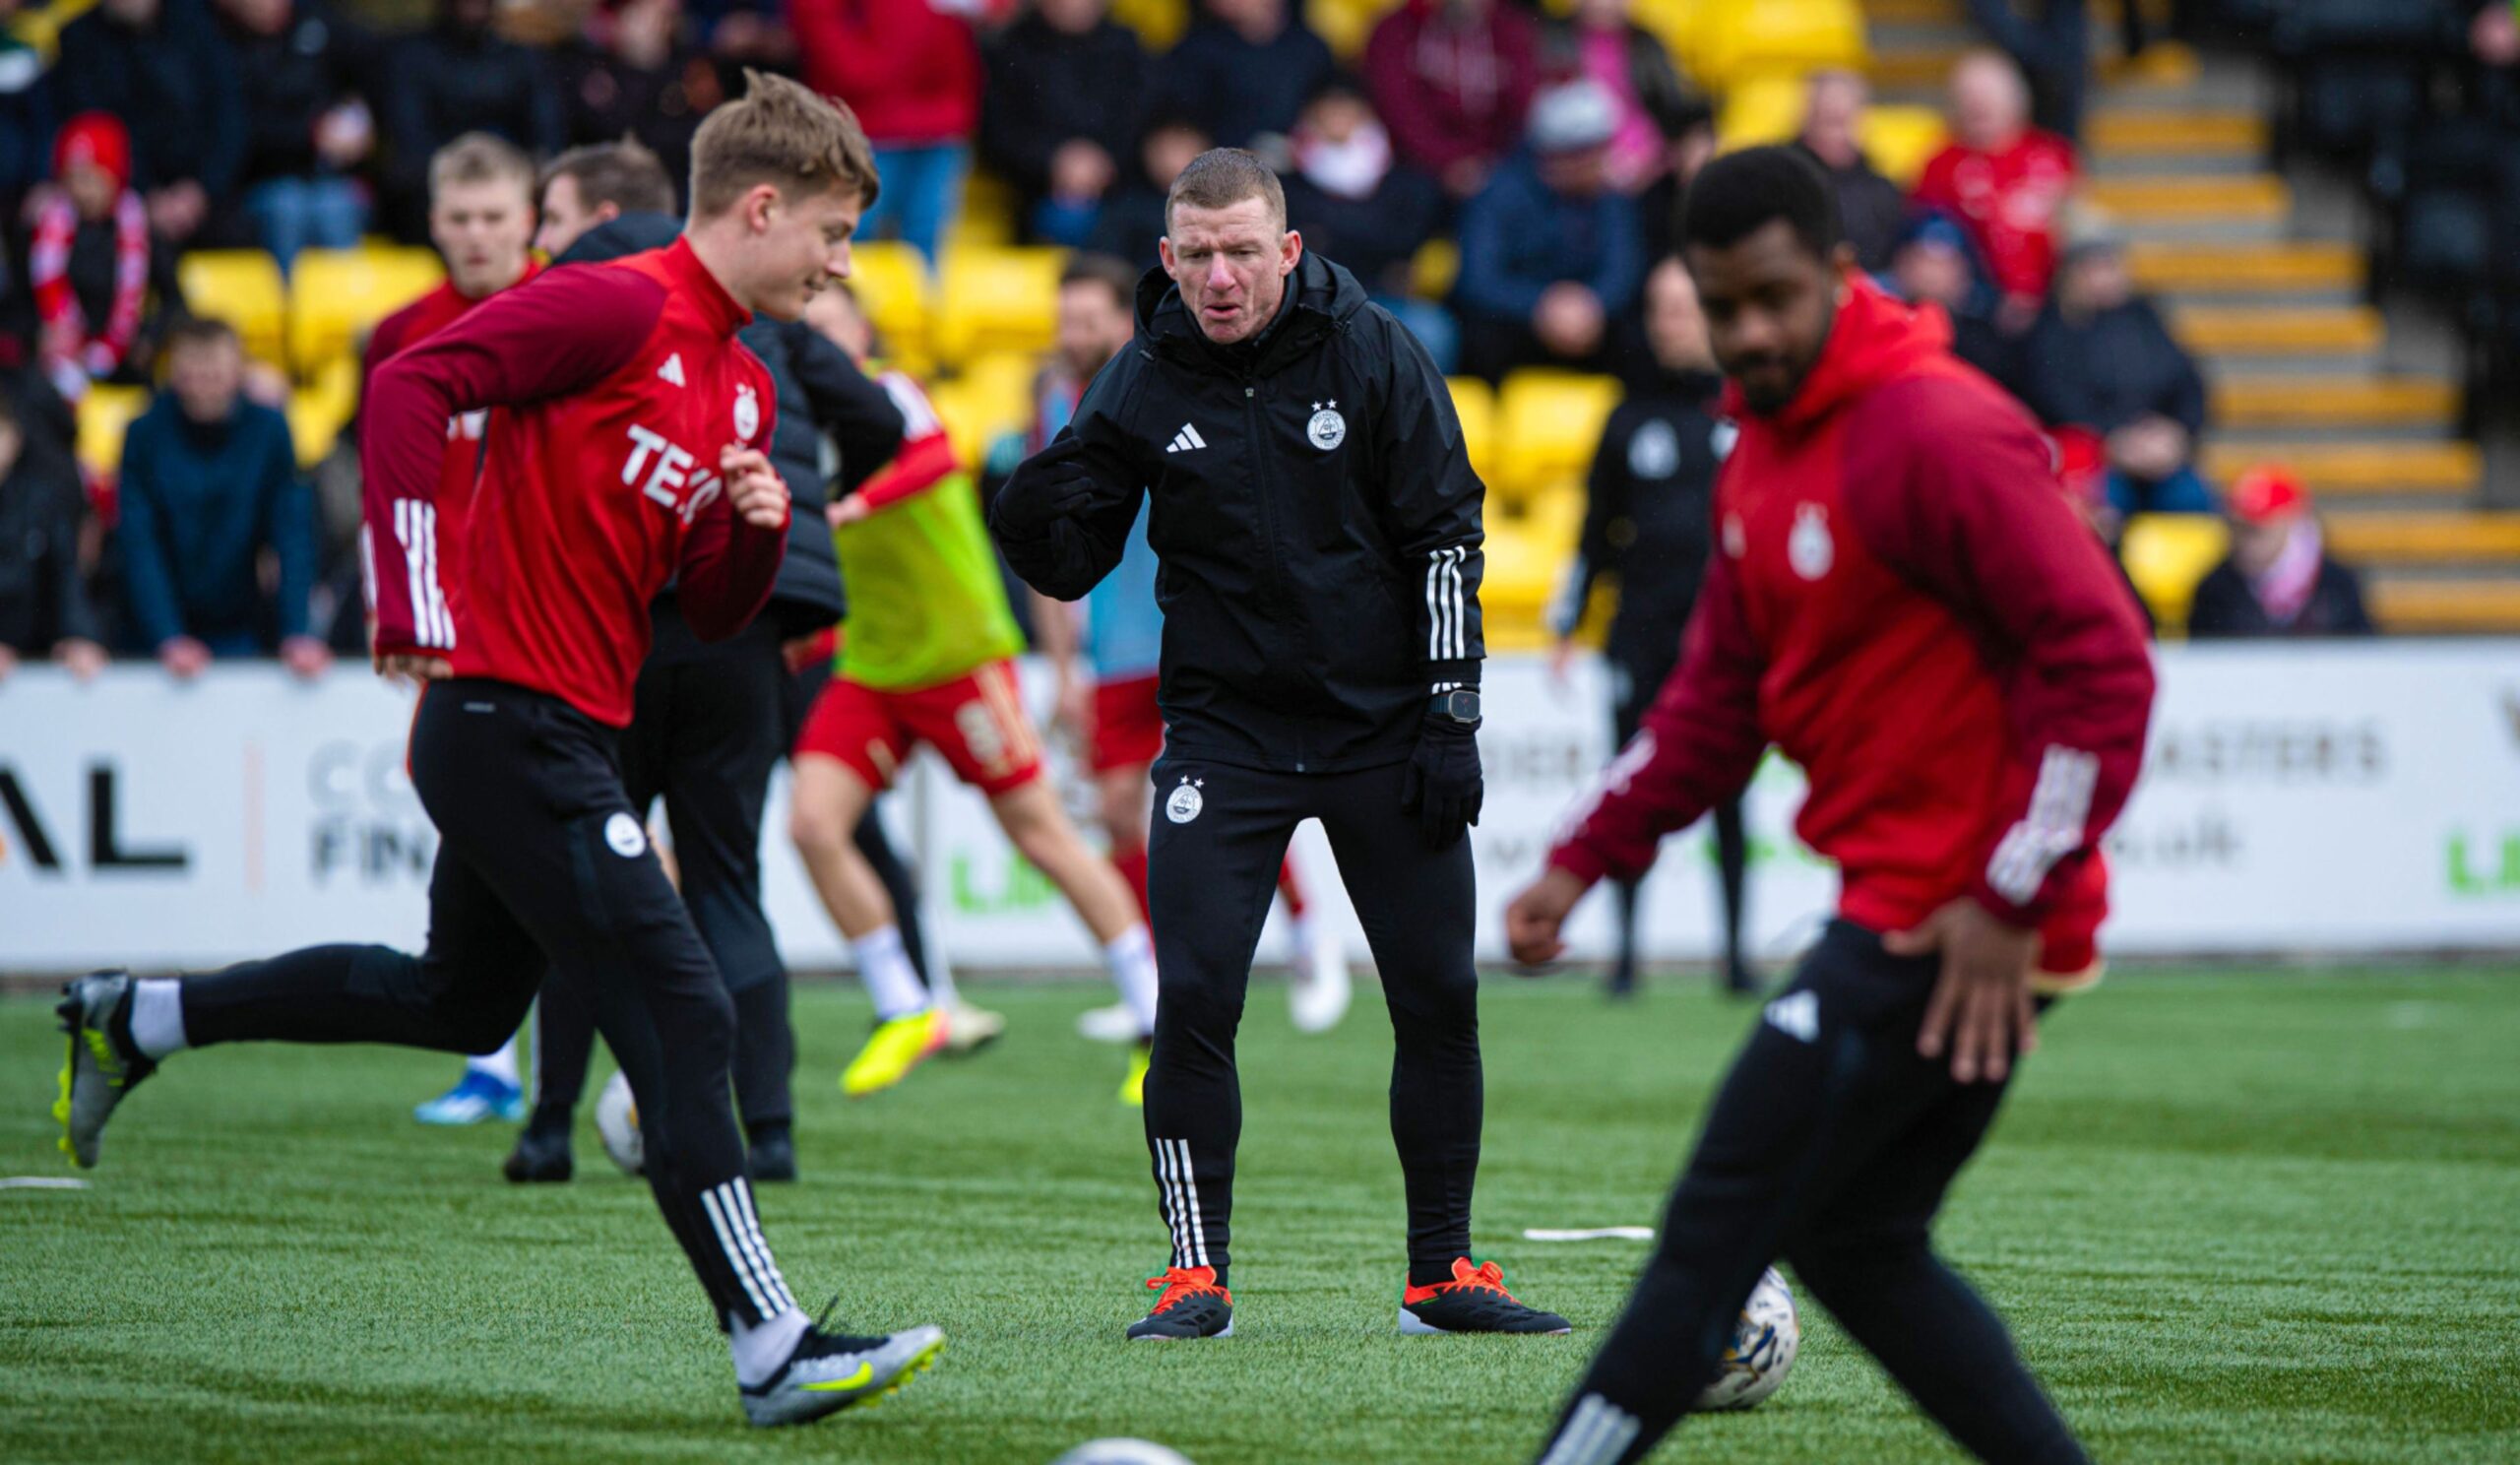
(925,658)
(623,449)
(1124,644)
(1902,601)
(481,219)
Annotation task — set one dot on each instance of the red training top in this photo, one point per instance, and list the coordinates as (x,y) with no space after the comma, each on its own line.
(2010,201)
(1904,603)
(423,317)
(612,390)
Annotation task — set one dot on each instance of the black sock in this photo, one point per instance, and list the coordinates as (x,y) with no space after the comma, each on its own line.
(550,1119)
(1429,1273)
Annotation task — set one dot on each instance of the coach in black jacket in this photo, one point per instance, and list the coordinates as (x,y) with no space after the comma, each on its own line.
(1318,528)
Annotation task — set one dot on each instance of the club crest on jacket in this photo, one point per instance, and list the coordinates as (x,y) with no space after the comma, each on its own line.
(1327,429)
(747,413)
(1185,802)
(1809,549)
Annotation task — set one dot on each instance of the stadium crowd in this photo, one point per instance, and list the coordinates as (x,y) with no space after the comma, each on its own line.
(1503,180)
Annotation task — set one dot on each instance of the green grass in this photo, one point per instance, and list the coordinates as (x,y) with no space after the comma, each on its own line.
(2233,1217)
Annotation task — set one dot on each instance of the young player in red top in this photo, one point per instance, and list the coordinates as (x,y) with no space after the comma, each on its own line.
(481,219)
(623,448)
(1902,602)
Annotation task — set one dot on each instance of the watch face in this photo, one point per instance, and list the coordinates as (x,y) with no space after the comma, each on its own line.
(1462,707)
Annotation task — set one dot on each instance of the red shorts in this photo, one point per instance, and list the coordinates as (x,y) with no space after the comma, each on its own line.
(1128,728)
(975,720)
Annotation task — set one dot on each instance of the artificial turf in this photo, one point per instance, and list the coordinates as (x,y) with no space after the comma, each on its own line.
(2233,1216)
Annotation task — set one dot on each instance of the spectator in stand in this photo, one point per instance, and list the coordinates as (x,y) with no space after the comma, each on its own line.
(1352,201)
(911,72)
(43,596)
(26,110)
(2101,361)
(1551,254)
(102,281)
(1689,141)
(737,34)
(1934,261)
(2278,580)
(1065,88)
(1243,71)
(2005,179)
(161,66)
(1133,221)
(1649,521)
(1602,41)
(630,76)
(1871,208)
(1455,79)
(308,125)
(208,486)
(457,76)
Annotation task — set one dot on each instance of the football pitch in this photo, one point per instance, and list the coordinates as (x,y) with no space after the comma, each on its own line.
(2234,1216)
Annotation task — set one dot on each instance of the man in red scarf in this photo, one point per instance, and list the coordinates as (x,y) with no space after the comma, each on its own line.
(92,263)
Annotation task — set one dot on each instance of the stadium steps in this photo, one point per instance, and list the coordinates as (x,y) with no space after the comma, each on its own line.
(1922,69)
(2296,268)
(2339,403)
(2348,470)
(2439,538)
(2215,331)
(2466,605)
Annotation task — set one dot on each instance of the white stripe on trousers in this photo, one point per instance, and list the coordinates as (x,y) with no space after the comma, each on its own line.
(752,1228)
(735,1256)
(1595,1434)
(1173,1219)
(1181,1190)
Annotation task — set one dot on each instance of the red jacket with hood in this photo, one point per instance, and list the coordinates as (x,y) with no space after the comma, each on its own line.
(910,70)
(1902,602)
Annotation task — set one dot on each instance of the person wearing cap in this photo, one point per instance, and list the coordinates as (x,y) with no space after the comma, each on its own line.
(1551,257)
(99,277)
(2278,580)
(2101,360)
(1934,261)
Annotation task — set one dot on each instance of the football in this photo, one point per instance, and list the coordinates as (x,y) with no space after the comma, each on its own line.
(1764,1342)
(1122,1452)
(616,1119)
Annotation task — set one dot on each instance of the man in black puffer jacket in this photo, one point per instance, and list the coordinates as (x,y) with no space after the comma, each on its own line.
(1317,525)
(712,718)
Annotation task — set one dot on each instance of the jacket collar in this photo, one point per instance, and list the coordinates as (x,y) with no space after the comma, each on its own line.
(1325,298)
(1874,339)
(718,308)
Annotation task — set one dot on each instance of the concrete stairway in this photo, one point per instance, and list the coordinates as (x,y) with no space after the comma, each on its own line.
(2263,282)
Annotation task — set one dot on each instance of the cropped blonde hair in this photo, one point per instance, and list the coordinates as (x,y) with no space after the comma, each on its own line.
(480,157)
(782,134)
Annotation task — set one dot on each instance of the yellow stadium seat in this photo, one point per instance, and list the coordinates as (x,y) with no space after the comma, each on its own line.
(1345,25)
(996,300)
(1901,140)
(1679,26)
(315,423)
(972,420)
(1761,109)
(243,287)
(1548,424)
(335,294)
(1433,269)
(988,216)
(1556,516)
(890,279)
(1742,39)
(1158,23)
(1003,382)
(2166,554)
(104,414)
(1514,589)
(1474,402)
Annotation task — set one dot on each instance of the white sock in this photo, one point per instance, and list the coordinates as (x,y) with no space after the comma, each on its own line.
(158,1017)
(884,966)
(760,1351)
(500,1066)
(1299,944)
(1131,957)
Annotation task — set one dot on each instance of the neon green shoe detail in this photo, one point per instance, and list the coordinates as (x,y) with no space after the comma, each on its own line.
(894,1049)
(98,1073)
(1133,1086)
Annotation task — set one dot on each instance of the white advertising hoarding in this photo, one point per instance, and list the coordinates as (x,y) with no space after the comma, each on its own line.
(2338,798)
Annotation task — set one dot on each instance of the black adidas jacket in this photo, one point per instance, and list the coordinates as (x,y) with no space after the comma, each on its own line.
(1315,513)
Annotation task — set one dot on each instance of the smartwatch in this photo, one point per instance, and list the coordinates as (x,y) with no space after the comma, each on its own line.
(1460,705)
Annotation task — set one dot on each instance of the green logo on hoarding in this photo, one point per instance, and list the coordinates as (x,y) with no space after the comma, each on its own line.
(1024,888)
(2483,867)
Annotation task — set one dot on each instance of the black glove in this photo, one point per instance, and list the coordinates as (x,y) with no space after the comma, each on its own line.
(1444,785)
(1045,488)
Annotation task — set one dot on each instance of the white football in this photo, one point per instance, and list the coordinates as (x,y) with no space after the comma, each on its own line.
(616,1119)
(1764,1342)
(1122,1452)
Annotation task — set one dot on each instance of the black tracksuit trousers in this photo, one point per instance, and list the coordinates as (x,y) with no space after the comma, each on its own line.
(1830,1144)
(541,860)
(1212,867)
(709,722)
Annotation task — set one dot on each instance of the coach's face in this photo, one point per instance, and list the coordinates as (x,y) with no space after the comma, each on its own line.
(1769,304)
(1231,264)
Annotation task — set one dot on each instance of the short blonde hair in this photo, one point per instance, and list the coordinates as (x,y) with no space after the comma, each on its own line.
(782,134)
(480,157)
